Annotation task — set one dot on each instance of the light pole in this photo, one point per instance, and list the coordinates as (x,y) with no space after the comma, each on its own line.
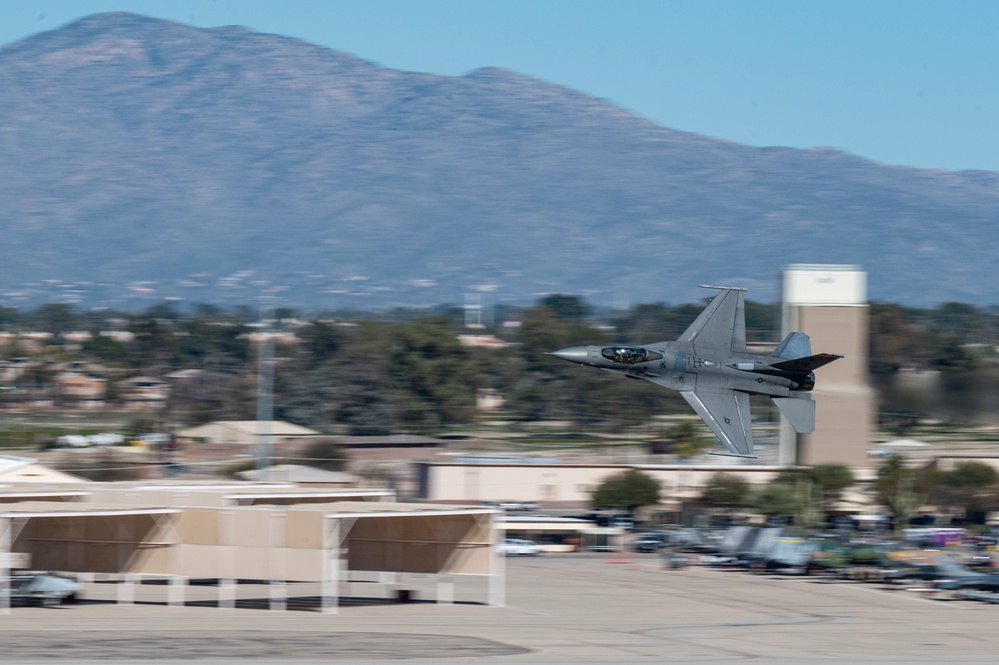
(265,396)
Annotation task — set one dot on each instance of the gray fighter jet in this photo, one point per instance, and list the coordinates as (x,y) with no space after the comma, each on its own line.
(710,367)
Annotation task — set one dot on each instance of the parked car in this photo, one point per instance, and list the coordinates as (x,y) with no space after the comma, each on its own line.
(46,590)
(518,547)
(622,522)
(652,541)
(518,505)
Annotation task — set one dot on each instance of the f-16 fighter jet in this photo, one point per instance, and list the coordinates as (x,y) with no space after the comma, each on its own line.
(710,367)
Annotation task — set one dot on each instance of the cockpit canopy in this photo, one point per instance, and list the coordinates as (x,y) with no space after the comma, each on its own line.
(629,355)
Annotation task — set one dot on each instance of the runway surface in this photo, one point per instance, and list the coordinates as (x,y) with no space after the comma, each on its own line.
(560,609)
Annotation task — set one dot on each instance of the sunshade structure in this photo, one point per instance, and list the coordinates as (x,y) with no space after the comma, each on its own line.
(56,493)
(228,494)
(309,542)
(85,538)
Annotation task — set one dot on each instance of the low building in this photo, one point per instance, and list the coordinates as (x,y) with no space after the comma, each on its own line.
(81,389)
(560,484)
(305,476)
(27,470)
(143,392)
(245,432)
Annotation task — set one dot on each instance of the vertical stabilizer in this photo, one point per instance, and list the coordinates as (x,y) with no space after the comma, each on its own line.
(795,345)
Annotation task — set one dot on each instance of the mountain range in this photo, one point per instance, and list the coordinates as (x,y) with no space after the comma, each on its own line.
(143,159)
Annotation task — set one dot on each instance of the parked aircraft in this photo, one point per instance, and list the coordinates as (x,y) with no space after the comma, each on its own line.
(711,368)
(967,583)
(937,568)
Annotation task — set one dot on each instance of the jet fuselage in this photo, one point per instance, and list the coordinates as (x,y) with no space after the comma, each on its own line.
(680,367)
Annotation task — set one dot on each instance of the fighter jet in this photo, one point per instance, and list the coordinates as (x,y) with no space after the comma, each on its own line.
(711,368)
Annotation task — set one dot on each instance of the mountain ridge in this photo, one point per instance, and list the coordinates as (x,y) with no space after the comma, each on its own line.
(144,158)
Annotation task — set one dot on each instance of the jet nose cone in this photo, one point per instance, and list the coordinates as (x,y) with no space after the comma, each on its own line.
(576,354)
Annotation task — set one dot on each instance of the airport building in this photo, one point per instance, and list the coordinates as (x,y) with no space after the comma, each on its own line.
(829,304)
(559,484)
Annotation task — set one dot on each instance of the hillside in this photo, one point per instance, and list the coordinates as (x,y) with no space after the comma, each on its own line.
(141,158)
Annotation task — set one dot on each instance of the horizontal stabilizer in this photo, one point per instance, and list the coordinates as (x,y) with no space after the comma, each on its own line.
(807,364)
(799,412)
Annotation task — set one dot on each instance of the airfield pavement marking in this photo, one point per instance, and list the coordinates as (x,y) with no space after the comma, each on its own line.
(906,593)
(570,608)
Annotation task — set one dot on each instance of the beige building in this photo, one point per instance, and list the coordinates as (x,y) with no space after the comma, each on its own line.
(566,484)
(245,432)
(81,388)
(27,470)
(829,304)
(143,392)
(300,474)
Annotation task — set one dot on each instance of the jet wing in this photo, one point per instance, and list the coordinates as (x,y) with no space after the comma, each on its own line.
(726,412)
(722,324)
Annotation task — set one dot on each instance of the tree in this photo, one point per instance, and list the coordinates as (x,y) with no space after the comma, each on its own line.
(726,490)
(164,311)
(104,349)
(831,480)
(306,397)
(347,392)
(777,499)
(55,318)
(895,342)
(320,341)
(565,307)
(949,354)
(326,455)
(104,467)
(969,487)
(628,490)
(825,482)
(214,344)
(684,440)
(542,330)
(365,404)
(431,373)
(154,343)
(896,488)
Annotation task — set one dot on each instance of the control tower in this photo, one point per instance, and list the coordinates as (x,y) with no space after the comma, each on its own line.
(829,304)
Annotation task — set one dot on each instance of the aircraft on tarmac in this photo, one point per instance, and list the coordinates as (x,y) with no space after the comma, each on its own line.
(711,368)
(966,583)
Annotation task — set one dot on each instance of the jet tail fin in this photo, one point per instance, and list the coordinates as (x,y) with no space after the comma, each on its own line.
(795,345)
(799,412)
(950,568)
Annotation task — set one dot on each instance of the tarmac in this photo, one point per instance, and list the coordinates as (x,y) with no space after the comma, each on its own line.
(572,608)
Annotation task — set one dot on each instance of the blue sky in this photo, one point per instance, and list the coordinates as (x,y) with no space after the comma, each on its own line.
(900,82)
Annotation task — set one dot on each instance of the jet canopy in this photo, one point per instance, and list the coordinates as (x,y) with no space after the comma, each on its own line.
(629,355)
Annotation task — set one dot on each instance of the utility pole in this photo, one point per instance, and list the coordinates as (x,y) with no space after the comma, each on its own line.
(265,392)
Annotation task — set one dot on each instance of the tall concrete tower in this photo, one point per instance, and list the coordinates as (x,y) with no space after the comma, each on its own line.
(829,304)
